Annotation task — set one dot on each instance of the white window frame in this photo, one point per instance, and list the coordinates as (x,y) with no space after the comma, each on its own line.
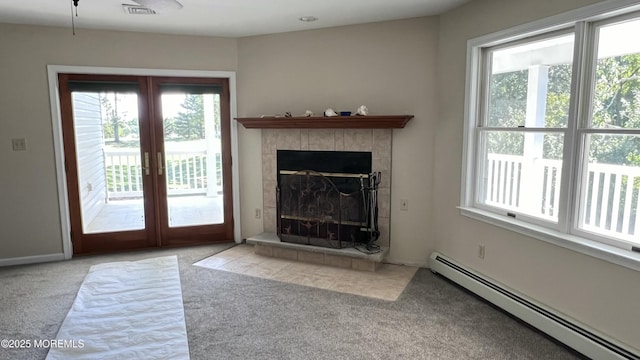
(565,232)
(585,128)
(482,113)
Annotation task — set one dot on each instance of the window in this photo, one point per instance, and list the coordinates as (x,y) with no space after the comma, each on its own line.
(528,90)
(553,129)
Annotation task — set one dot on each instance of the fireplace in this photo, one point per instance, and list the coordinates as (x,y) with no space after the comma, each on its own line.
(376,141)
(326,198)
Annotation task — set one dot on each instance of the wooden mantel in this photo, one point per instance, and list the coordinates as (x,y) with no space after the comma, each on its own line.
(321,122)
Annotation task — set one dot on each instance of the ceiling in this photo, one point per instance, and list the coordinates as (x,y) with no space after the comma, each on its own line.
(227,18)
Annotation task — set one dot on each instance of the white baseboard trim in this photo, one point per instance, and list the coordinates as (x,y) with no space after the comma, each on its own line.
(31,259)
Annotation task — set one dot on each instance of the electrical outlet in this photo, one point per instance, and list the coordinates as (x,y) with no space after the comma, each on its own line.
(481,251)
(19,144)
(258,213)
(404,204)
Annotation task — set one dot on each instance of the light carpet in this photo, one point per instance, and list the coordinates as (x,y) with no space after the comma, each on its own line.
(231,316)
(126,310)
(387,283)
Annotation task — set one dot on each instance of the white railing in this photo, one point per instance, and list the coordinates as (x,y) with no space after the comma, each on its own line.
(612,201)
(611,195)
(185,171)
(510,184)
(123,172)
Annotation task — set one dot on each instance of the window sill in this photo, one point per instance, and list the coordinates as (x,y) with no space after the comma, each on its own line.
(612,254)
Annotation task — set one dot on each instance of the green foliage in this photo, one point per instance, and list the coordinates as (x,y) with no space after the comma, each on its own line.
(558,96)
(617,92)
(114,124)
(507,108)
(189,123)
(169,127)
(616,104)
(508,99)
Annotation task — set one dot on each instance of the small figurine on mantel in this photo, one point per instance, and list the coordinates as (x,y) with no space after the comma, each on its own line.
(330,112)
(308,113)
(362,110)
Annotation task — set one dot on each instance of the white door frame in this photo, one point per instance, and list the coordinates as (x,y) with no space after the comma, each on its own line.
(54,98)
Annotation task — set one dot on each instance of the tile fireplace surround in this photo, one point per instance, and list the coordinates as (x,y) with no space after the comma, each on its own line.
(377,141)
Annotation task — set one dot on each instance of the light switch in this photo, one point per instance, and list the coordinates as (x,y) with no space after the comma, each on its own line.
(19,144)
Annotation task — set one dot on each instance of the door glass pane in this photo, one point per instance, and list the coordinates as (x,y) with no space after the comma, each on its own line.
(109,162)
(616,97)
(193,166)
(521,172)
(530,84)
(611,187)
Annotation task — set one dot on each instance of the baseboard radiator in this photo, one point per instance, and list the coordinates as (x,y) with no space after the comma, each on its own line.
(568,331)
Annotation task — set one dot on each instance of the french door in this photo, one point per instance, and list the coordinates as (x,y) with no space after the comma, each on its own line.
(148,161)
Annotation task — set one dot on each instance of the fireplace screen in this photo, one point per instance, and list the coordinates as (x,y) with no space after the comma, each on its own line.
(331,209)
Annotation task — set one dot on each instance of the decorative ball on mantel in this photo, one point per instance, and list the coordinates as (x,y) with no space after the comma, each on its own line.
(330,112)
(362,110)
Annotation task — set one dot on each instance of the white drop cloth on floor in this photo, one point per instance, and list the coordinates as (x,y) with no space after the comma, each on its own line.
(126,310)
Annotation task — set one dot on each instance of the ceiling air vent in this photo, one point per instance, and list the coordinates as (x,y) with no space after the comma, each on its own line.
(137,10)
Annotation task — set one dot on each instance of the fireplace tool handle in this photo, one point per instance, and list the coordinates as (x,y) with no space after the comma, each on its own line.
(371,208)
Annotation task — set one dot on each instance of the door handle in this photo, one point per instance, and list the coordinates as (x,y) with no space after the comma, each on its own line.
(146,163)
(160,164)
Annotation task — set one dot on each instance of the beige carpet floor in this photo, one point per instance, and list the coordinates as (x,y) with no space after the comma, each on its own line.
(231,316)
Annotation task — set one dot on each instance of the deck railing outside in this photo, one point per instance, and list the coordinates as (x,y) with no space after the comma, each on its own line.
(186,173)
(610,204)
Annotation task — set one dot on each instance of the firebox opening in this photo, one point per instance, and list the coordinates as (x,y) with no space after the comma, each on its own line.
(327,198)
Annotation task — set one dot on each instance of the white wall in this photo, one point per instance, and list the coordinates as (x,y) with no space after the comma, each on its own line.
(599,294)
(390,67)
(87,116)
(29,211)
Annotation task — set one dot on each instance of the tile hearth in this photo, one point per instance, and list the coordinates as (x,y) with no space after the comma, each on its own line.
(268,244)
(387,283)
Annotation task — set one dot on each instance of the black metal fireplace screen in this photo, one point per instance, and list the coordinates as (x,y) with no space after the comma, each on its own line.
(327,209)
(332,205)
